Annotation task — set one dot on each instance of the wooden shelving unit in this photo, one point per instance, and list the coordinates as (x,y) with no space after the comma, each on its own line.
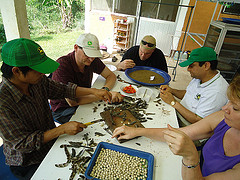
(121,34)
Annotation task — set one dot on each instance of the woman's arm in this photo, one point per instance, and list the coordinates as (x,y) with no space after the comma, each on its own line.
(205,127)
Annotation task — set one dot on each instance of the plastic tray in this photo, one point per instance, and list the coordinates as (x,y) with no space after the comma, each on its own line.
(149,157)
(165,75)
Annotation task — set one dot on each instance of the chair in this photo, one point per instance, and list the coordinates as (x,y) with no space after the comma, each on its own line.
(5,172)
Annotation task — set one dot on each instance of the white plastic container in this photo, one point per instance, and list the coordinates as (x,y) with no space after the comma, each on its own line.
(184,56)
(175,55)
(144,93)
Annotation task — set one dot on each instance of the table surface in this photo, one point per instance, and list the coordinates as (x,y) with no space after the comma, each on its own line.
(167,166)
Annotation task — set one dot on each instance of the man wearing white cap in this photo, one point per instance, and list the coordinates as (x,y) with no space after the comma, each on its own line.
(78,67)
(144,55)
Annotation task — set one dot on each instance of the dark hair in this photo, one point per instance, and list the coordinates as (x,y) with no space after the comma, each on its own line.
(213,64)
(7,70)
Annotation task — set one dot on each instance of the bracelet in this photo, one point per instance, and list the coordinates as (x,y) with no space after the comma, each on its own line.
(106,88)
(190,166)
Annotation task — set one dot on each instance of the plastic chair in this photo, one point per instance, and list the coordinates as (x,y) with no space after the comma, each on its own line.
(5,172)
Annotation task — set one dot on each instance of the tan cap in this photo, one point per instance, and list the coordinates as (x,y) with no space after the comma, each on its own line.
(90,44)
(148,42)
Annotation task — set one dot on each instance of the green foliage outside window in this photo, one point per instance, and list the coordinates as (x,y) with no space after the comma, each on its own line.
(53,16)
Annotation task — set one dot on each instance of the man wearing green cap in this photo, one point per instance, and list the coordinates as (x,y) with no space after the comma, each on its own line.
(205,94)
(26,124)
(144,55)
(78,67)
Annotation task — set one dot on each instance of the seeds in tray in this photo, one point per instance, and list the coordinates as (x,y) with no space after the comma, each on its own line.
(144,76)
(112,164)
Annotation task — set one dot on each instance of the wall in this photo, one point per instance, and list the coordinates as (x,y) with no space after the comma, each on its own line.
(200,22)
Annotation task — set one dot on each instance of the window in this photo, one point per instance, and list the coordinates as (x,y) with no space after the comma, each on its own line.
(126,7)
(160,11)
(103,5)
(233,9)
(149,10)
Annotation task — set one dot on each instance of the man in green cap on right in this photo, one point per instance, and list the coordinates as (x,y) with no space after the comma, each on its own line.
(205,94)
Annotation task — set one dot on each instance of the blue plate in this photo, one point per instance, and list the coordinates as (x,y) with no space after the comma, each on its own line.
(231,20)
(165,75)
(132,152)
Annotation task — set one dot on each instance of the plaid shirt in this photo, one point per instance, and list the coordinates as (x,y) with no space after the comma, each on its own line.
(24,119)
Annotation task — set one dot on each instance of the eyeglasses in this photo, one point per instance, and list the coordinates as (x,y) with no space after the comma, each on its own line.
(146,43)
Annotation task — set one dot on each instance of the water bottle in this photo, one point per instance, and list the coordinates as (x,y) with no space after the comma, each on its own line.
(175,57)
(184,56)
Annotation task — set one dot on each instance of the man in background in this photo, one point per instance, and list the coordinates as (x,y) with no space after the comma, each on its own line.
(78,67)
(144,55)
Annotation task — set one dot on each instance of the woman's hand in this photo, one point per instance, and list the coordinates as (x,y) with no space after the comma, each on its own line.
(180,144)
(124,132)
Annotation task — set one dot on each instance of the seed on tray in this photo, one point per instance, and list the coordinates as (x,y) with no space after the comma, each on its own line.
(112,164)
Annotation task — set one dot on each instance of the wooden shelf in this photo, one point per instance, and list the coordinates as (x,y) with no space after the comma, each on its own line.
(121,33)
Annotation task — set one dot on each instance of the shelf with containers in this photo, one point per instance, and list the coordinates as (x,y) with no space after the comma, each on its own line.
(224,38)
(121,34)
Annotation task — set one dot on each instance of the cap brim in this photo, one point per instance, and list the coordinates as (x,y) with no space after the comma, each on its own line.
(92,52)
(46,67)
(185,63)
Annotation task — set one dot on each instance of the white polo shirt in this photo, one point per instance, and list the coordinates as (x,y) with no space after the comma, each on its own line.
(207,98)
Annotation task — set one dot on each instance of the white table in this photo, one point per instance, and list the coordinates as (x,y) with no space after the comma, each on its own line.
(167,166)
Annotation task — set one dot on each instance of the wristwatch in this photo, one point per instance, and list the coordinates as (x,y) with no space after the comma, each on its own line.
(173,103)
(106,88)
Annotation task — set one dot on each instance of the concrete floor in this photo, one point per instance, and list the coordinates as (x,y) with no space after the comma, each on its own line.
(182,78)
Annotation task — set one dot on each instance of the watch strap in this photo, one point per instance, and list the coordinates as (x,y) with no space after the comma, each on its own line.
(106,88)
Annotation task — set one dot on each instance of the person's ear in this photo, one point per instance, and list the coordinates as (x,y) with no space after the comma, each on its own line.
(16,71)
(207,65)
(75,47)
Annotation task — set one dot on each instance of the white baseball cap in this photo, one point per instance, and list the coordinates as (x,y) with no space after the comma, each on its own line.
(90,44)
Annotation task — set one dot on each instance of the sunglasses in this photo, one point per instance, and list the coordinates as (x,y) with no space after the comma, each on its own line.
(146,43)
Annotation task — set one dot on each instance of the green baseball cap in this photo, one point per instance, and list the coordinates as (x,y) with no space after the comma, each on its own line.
(199,55)
(25,52)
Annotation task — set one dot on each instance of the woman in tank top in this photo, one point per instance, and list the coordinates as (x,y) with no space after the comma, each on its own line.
(221,152)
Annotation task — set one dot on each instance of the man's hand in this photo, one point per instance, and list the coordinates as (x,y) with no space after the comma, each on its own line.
(72,127)
(165,88)
(103,95)
(116,97)
(124,132)
(167,97)
(127,63)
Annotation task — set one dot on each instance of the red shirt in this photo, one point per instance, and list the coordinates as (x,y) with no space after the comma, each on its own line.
(68,72)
